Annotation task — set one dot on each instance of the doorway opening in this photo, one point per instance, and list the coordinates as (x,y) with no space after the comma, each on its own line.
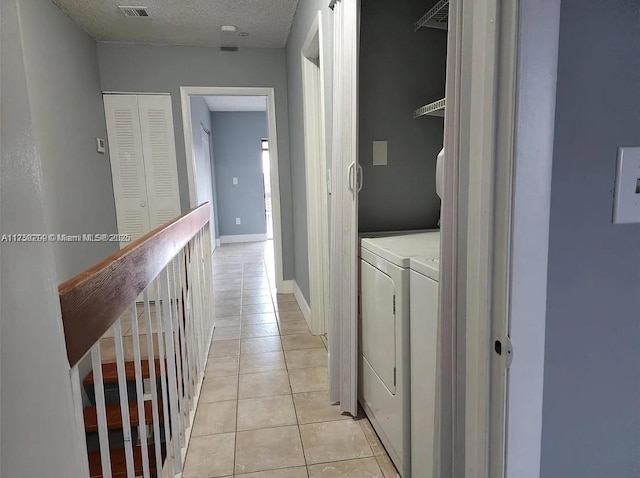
(243,163)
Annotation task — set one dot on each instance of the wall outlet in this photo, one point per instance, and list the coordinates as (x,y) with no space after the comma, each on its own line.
(237,221)
(235,181)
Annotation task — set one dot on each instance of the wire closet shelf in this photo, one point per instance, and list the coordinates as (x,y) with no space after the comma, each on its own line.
(437,17)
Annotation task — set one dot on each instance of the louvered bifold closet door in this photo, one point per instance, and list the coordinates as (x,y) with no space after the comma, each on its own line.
(127,164)
(158,144)
(347,182)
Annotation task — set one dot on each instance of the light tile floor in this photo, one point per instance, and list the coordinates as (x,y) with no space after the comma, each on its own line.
(264,408)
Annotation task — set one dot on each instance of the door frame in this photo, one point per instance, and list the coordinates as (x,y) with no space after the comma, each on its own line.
(507,150)
(313,93)
(282,286)
(447,460)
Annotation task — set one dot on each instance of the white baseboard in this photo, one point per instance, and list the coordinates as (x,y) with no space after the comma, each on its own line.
(302,302)
(242,238)
(285,287)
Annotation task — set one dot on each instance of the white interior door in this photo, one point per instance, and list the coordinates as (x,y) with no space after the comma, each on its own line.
(127,164)
(343,327)
(159,148)
(205,178)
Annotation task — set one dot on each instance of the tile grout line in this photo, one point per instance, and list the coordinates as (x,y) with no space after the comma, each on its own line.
(295,409)
(235,445)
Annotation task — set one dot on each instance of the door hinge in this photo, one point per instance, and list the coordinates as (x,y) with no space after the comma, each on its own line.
(394,376)
(394,304)
(503,348)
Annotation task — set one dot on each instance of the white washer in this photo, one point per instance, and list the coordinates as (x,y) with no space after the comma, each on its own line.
(424,312)
(384,336)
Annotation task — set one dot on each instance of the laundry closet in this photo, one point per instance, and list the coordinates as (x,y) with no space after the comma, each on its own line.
(401,90)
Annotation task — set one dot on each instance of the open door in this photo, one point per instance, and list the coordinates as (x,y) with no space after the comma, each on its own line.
(347,181)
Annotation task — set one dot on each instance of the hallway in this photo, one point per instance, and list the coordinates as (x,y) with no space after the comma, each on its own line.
(264,408)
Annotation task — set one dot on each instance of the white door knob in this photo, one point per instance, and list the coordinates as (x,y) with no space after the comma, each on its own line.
(143,204)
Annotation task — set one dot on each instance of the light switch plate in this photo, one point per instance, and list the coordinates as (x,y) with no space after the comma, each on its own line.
(626,208)
(100,145)
(380,153)
(237,221)
(235,181)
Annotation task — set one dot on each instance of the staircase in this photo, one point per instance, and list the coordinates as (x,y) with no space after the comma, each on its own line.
(115,423)
(146,365)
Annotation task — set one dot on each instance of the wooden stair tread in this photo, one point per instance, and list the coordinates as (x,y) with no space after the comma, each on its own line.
(114,416)
(110,371)
(119,463)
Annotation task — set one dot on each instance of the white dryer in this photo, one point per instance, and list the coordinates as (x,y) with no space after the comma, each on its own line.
(425,333)
(384,336)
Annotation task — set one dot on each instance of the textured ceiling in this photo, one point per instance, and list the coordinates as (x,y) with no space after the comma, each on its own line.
(185,22)
(236,103)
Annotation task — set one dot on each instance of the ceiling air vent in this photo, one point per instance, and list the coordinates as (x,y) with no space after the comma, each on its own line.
(135,12)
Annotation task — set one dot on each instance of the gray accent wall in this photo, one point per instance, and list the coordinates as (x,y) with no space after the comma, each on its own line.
(205,172)
(68,115)
(400,70)
(591,402)
(237,153)
(39,433)
(304,17)
(164,69)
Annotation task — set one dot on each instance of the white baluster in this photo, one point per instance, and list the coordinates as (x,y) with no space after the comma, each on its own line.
(163,374)
(197,317)
(153,381)
(101,410)
(124,399)
(208,291)
(193,287)
(76,387)
(183,327)
(197,266)
(137,363)
(171,372)
(177,346)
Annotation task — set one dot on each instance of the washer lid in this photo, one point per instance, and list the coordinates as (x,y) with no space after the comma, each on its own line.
(400,249)
(427,266)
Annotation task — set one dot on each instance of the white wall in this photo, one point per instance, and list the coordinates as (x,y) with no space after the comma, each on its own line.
(38,432)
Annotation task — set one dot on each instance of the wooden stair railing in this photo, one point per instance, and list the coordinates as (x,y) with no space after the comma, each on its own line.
(142,413)
(93,300)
